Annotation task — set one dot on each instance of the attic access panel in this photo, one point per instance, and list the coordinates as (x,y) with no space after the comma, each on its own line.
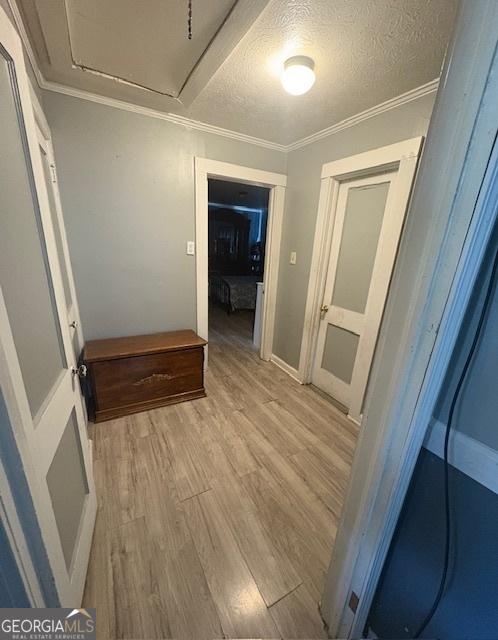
(134,50)
(144,43)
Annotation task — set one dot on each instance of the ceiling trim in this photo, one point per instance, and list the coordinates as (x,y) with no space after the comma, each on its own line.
(47,85)
(409,96)
(404,98)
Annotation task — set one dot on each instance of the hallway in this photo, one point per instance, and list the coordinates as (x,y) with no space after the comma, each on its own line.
(216,517)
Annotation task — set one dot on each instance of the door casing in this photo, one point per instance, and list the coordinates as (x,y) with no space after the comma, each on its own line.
(276,182)
(401,157)
(338,316)
(45,143)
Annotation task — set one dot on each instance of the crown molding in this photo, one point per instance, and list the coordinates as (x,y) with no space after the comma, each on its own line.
(404,98)
(409,96)
(48,85)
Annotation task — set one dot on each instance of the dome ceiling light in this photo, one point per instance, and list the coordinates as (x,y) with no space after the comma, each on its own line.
(298,75)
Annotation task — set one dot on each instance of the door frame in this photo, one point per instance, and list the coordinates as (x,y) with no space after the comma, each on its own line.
(45,140)
(276,182)
(456,196)
(402,157)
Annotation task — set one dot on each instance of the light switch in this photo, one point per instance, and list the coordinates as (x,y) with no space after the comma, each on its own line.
(293,257)
(190,248)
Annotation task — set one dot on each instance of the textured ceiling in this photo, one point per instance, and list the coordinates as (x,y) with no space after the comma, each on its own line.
(136,51)
(152,31)
(365,52)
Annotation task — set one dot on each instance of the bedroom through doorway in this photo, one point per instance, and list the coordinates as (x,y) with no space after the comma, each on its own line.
(237,232)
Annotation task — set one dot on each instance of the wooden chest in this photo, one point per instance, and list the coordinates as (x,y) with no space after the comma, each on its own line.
(128,375)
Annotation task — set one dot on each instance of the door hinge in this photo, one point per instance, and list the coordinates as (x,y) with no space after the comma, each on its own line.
(54,175)
(353,602)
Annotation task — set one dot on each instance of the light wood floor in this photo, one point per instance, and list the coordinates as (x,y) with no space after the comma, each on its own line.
(216,517)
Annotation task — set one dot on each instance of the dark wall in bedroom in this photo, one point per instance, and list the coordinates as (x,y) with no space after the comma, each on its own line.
(238,215)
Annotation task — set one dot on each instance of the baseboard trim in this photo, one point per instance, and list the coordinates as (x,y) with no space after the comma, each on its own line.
(293,373)
(466,454)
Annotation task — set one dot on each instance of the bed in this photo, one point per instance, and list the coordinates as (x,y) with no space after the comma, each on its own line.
(236,292)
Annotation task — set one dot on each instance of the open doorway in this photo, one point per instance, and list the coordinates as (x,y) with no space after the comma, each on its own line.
(237,230)
(245,244)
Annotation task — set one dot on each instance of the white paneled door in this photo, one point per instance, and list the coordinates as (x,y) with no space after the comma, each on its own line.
(55,207)
(366,211)
(38,364)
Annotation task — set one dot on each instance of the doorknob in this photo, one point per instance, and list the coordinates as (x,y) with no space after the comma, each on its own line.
(80,371)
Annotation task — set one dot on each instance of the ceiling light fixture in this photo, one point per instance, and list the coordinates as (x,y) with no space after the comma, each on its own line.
(298,75)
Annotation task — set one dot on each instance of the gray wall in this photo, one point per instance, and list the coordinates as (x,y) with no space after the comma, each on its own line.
(127,189)
(304,168)
(476,412)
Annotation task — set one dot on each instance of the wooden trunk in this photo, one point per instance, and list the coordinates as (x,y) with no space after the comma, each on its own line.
(128,375)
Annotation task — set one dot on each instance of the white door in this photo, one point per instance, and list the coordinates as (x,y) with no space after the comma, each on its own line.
(368,213)
(37,361)
(51,184)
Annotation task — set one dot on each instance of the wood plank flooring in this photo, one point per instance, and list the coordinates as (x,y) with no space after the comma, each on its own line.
(216,517)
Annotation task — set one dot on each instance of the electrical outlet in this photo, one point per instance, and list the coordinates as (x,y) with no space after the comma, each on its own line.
(190,248)
(293,257)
